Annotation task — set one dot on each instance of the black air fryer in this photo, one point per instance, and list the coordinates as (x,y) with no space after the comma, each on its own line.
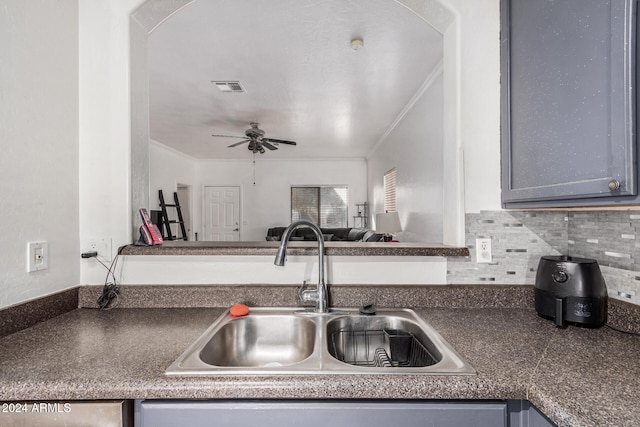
(571,290)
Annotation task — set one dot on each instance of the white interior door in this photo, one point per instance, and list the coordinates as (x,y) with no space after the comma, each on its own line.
(222,214)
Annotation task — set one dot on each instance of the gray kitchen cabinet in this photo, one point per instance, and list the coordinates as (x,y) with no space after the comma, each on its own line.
(352,413)
(568,103)
(523,414)
(320,413)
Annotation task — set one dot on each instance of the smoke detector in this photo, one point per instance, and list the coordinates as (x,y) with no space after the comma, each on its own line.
(357,44)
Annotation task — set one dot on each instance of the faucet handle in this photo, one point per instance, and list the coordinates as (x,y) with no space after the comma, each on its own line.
(301,290)
(307,295)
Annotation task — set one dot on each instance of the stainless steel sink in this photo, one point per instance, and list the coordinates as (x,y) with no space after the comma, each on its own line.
(259,340)
(381,341)
(273,340)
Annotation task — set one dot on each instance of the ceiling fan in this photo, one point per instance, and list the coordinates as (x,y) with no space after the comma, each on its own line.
(257,141)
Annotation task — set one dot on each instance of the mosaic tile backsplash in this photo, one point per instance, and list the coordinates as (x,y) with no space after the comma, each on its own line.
(520,238)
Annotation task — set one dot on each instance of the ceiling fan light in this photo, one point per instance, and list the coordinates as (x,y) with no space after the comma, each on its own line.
(256,141)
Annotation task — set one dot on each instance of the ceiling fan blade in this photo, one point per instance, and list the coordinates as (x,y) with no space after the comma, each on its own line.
(228,136)
(269,146)
(238,143)
(278,141)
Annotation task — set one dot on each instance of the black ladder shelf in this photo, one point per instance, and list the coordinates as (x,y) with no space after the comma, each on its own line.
(166,222)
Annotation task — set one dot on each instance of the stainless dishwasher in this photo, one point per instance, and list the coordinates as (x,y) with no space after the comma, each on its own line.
(113,413)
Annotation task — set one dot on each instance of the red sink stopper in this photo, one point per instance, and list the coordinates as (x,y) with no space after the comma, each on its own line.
(239,310)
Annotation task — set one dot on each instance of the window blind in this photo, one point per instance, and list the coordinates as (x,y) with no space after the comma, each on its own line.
(324,206)
(390,191)
(304,204)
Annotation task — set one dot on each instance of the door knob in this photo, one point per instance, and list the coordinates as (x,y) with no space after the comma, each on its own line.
(236,229)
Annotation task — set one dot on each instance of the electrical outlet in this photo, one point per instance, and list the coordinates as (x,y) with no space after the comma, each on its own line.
(102,245)
(37,256)
(483,251)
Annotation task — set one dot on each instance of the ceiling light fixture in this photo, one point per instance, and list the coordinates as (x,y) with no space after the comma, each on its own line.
(357,44)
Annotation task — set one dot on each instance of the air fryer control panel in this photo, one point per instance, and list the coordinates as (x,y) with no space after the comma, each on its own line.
(560,276)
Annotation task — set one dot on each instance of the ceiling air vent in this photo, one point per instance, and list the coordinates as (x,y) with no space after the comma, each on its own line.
(227,86)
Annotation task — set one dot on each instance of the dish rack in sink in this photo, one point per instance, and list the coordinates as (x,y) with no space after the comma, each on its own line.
(384,348)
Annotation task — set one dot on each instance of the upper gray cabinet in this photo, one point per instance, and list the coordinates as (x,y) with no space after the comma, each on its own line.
(568,102)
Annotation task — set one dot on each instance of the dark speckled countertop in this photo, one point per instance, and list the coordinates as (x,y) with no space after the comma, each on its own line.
(178,247)
(578,377)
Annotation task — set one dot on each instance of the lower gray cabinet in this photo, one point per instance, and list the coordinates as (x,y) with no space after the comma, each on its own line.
(523,414)
(159,413)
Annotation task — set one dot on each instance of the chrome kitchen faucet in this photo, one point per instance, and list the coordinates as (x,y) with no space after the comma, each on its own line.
(319,295)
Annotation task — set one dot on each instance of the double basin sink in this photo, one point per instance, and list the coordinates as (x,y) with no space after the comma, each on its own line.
(276,340)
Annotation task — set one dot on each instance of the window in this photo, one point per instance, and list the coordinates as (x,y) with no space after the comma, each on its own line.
(324,206)
(390,191)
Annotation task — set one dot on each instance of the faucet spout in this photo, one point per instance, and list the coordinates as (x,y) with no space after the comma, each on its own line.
(320,296)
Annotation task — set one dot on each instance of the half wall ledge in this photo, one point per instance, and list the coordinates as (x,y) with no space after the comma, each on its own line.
(298,248)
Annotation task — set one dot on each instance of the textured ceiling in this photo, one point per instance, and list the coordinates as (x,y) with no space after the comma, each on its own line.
(303,81)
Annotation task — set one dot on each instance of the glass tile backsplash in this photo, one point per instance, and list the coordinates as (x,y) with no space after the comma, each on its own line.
(520,238)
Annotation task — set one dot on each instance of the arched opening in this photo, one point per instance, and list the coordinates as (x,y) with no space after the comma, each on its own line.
(154,12)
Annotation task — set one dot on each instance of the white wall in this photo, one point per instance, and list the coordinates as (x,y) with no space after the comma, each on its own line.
(39,142)
(209,270)
(105,115)
(479,113)
(414,147)
(268,203)
(167,169)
